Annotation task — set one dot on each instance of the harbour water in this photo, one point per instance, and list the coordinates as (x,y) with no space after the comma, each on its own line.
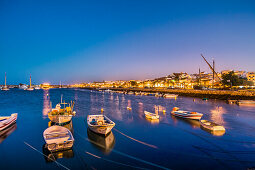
(135,142)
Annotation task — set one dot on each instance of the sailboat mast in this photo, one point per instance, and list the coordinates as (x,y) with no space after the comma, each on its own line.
(30,80)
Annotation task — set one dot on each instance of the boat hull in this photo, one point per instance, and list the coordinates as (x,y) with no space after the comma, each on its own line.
(187,116)
(103,130)
(151,116)
(8,122)
(60,119)
(212,127)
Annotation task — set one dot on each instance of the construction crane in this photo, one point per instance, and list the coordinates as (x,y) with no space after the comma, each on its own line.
(212,69)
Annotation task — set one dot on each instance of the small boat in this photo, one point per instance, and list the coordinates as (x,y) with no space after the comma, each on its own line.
(246,102)
(150,115)
(5,88)
(100,124)
(61,115)
(58,138)
(37,87)
(6,121)
(205,99)
(211,126)
(186,114)
(170,96)
(7,131)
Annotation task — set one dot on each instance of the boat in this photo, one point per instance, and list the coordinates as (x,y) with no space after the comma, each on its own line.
(100,124)
(58,138)
(5,88)
(6,121)
(246,102)
(30,88)
(211,126)
(37,87)
(186,114)
(22,86)
(103,143)
(62,115)
(170,96)
(150,115)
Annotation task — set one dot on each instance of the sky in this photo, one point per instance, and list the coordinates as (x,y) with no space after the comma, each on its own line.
(82,41)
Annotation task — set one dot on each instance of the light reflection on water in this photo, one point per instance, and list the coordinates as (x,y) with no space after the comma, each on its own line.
(174,137)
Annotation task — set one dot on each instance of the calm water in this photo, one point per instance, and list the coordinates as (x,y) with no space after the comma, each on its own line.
(170,143)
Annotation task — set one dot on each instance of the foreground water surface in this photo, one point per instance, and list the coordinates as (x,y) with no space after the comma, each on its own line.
(135,142)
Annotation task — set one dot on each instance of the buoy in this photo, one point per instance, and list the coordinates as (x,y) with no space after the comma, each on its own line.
(164,111)
(194,100)
(129,108)
(102,110)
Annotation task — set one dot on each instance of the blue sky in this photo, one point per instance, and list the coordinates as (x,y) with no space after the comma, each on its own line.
(81,41)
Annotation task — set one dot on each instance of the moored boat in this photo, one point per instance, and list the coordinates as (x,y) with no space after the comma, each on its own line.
(150,115)
(6,121)
(100,124)
(246,102)
(186,114)
(5,88)
(58,138)
(211,126)
(62,115)
(170,96)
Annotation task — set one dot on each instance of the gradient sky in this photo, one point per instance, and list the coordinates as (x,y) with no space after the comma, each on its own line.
(81,41)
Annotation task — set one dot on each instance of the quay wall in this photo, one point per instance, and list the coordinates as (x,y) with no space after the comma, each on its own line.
(211,94)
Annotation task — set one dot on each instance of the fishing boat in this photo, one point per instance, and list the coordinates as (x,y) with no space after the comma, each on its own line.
(246,102)
(186,114)
(62,115)
(211,126)
(7,131)
(170,96)
(37,87)
(5,88)
(58,138)
(100,124)
(150,115)
(6,121)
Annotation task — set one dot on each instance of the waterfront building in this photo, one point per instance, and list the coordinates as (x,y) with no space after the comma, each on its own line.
(251,76)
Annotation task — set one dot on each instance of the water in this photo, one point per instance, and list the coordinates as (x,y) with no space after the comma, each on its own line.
(135,142)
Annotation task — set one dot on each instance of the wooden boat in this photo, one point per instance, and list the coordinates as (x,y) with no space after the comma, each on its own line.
(246,102)
(58,138)
(170,96)
(6,121)
(211,126)
(100,124)
(150,115)
(61,115)
(7,131)
(186,114)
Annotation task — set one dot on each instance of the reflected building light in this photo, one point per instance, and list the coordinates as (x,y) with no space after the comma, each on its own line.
(159,109)
(217,115)
(46,103)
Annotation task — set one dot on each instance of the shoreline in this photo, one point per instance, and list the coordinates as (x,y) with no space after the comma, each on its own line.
(210,94)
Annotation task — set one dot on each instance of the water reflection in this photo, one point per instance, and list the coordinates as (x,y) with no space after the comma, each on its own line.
(159,109)
(193,123)
(153,121)
(104,144)
(46,103)
(6,132)
(217,115)
(53,156)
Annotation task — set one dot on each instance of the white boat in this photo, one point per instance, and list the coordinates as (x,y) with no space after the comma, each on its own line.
(100,124)
(6,121)
(186,114)
(246,102)
(61,115)
(150,115)
(170,96)
(58,138)
(211,126)
(23,86)
(5,88)
(37,87)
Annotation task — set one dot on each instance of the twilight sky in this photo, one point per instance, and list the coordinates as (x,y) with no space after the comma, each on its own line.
(81,41)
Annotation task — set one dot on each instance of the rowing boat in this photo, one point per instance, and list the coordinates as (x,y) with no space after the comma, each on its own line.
(6,121)
(58,138)
(211,126)
(150,115)
(100,124)
(186,114)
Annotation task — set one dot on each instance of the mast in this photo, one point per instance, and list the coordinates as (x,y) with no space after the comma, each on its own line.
(213,72)
(211,68)
(199,77)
